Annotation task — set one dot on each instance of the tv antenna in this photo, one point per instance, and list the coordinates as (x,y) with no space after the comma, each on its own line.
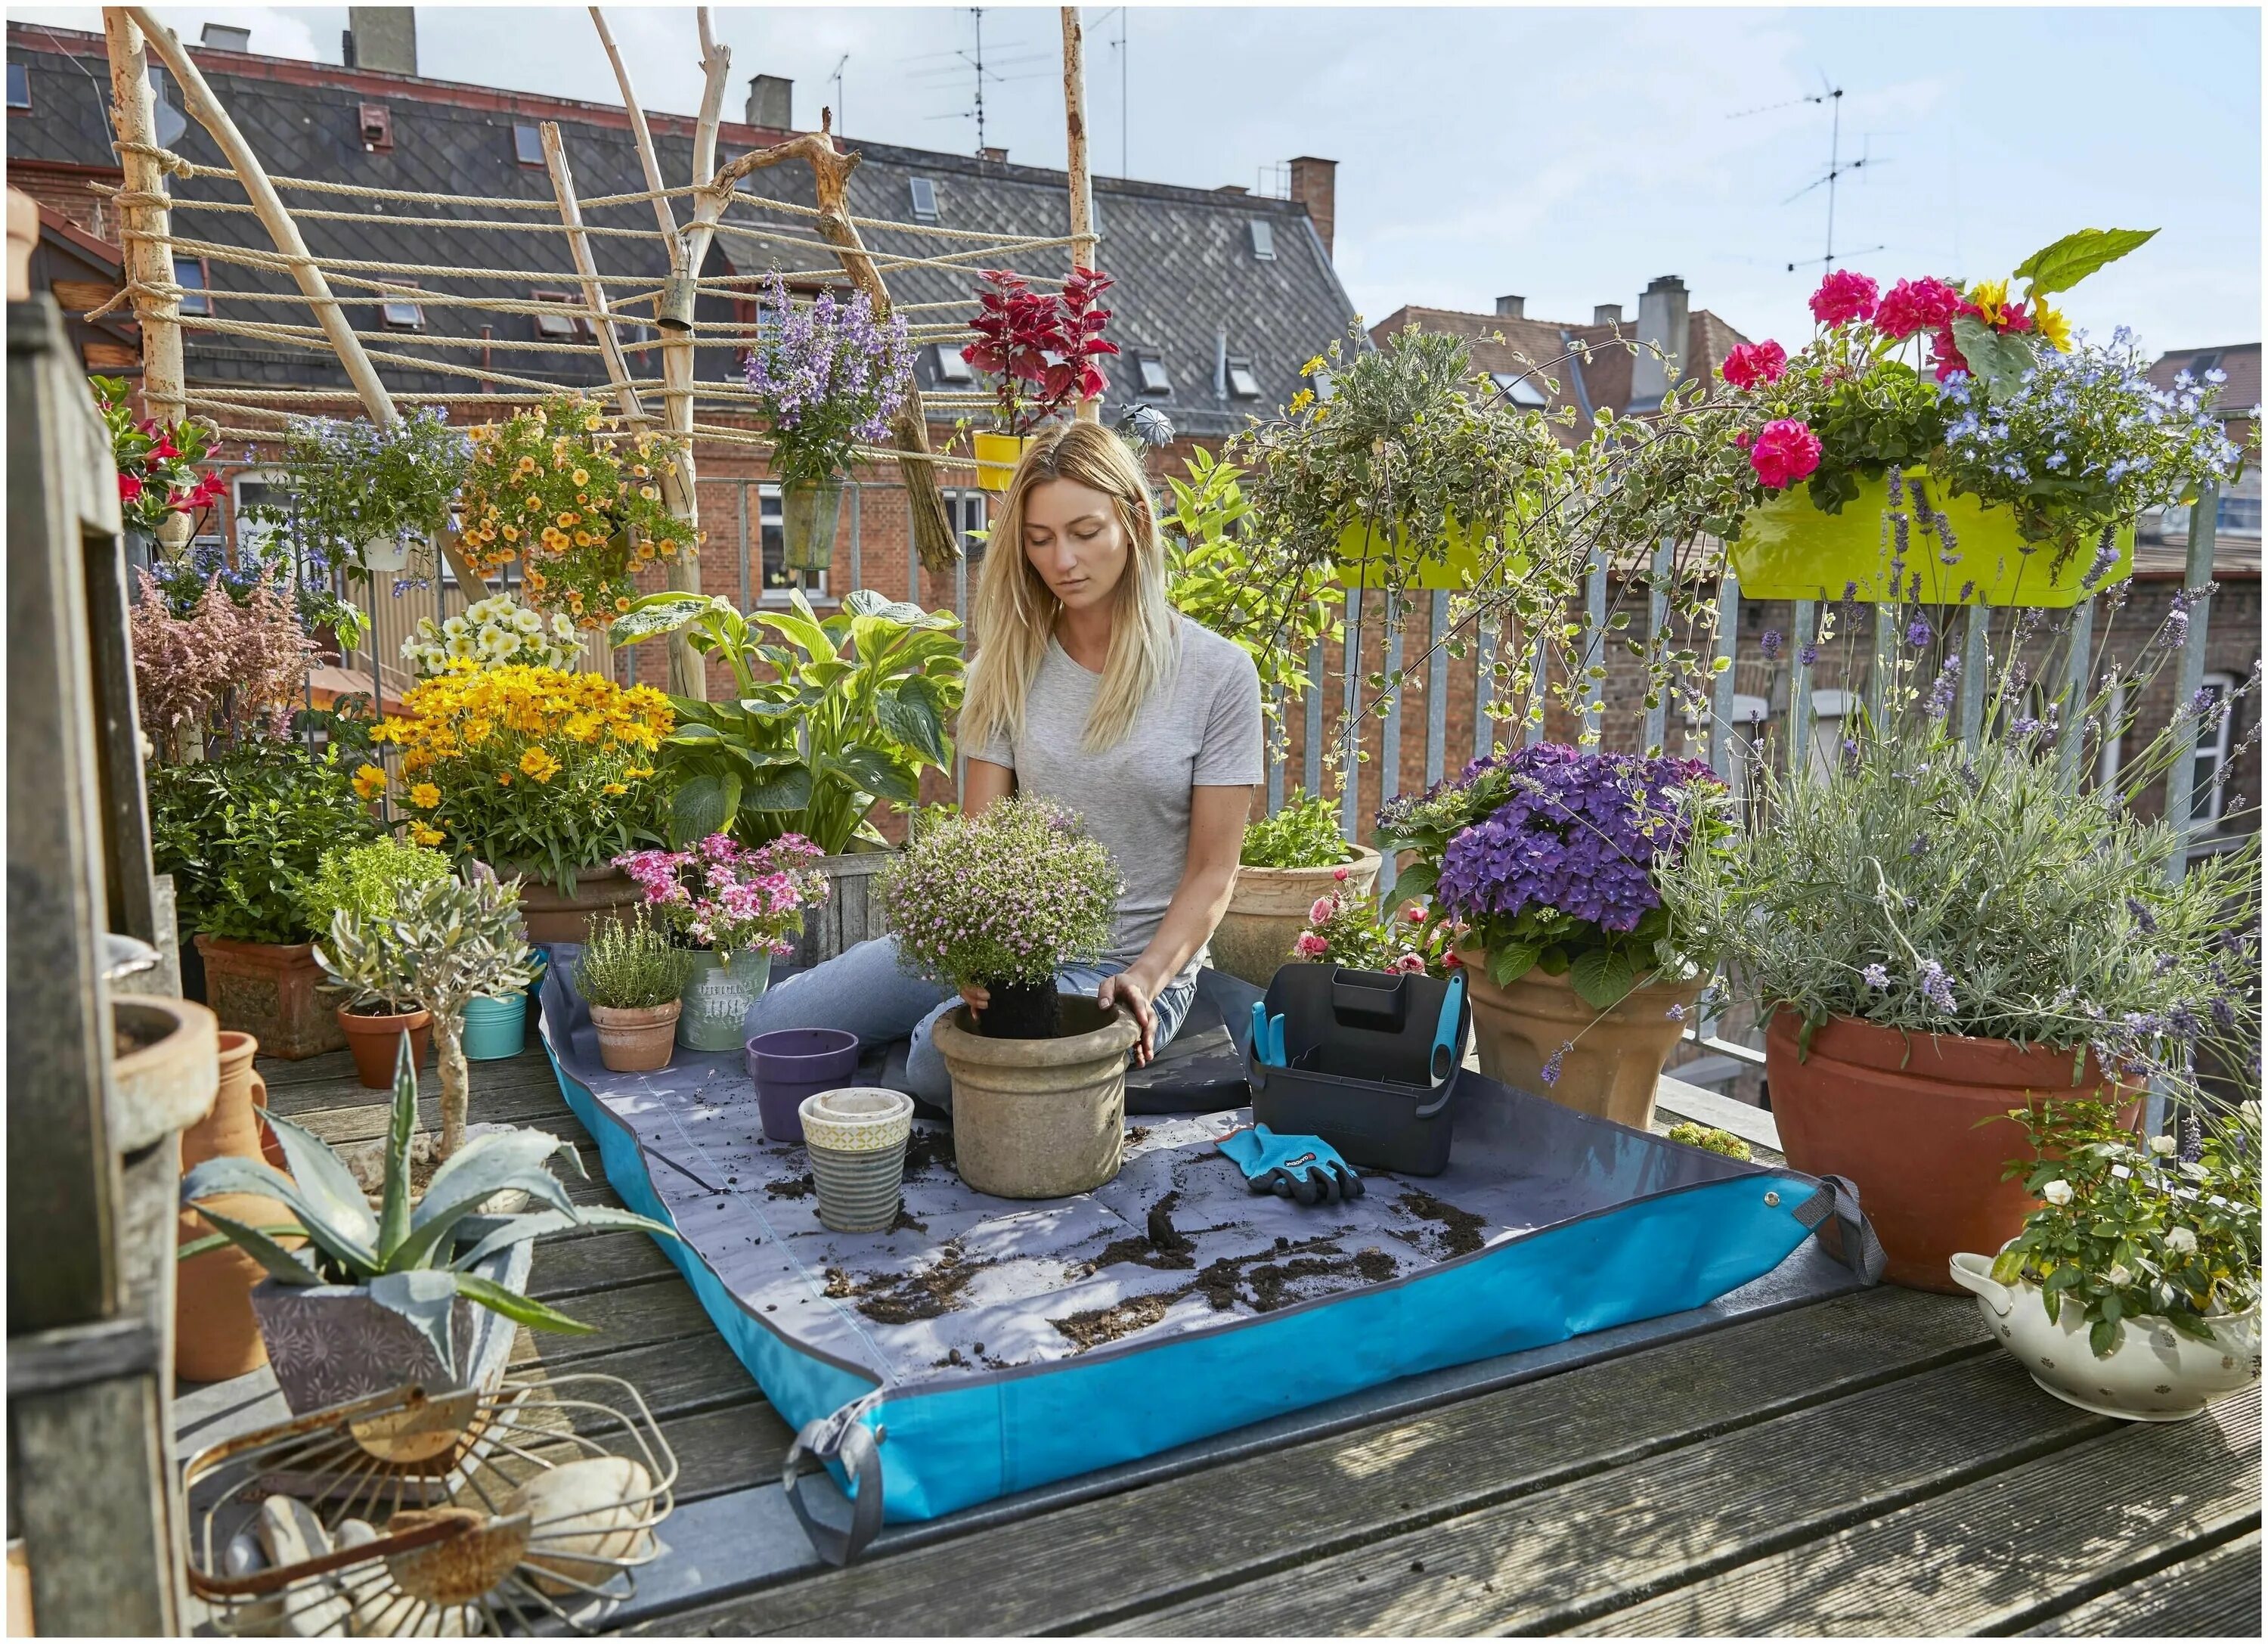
(834,79)
(974,60)
(1837,168)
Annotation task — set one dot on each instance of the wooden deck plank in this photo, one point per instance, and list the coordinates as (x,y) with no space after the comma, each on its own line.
(1991,1556)
(640,1315)
(1545,1561)
(571,1264)
(522,1072)
(1247,1518)
(2214,1595)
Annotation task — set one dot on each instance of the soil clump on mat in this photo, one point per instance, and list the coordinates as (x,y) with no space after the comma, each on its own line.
(1460,1229)
(904,1298)
(1162,1245)
(1099,1325)
(927,1148)
(792,1186)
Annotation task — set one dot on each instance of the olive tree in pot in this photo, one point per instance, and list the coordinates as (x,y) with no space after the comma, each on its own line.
(1000,902)
(359,1301)
(369,880)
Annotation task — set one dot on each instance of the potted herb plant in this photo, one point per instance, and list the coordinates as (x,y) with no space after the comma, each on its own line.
(368,880)
(160,484)
(632,977)
(369,1299)
(538,772)
(375,498)
(1959,444)
(826,379)
(2133,1290)
(737,909)
(1547,860)
(446,942)
(495,632)
(1290,861)
(828,718)
(580,501)
(1040,349)
(1003,900)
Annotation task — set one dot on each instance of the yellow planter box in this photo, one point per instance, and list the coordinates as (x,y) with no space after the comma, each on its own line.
(1381,556)
(997,457)
(1790,550)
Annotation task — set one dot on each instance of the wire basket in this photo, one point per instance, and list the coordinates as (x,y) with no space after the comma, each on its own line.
(528,1508)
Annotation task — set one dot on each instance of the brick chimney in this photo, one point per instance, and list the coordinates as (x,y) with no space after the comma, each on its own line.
(771,102)
(998,156)
(1606,314)
(384,37)
(1314,184)
(1511,308)
(1662,319)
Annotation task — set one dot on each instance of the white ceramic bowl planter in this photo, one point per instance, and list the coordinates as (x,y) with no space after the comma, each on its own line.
(1039,1118)
(2155,1374)
(857,1139)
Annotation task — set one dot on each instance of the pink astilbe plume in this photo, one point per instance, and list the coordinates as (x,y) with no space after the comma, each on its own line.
(232,668)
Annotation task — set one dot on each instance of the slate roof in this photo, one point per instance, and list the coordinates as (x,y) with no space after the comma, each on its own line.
(1187,276)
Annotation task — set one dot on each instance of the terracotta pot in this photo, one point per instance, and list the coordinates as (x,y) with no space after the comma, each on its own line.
(1039,1118)
(553,916)
(637,1040)
(168,1082)
(216,1335)
(1919,1122)
(273,993)
(1268,909)
(376,1042)
(1613,1060)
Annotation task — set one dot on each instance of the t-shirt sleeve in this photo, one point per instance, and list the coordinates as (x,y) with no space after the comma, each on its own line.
(1230,756)
(993,751)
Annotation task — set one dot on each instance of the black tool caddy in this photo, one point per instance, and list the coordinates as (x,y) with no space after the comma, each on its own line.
(1368,1068)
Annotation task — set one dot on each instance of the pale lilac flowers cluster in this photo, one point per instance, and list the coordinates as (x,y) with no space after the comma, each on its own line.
(828,378)
(728,899)
(1011,896)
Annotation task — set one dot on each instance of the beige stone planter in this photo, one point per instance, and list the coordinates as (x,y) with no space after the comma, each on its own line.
(637,1040)
(1039,1118)
(1616,1056)
(1268,909)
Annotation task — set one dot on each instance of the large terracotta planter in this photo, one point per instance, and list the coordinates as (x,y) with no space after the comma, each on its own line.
(553,916)
(1039,1118)
(273,993)
(375,1041)
(637,1041)
(1920,1123)
(1611,1061)
(168,1080)
(1268,908)
(852,913)
(216,1335)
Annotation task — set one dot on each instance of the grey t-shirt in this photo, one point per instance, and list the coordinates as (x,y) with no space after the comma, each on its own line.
(1200,728)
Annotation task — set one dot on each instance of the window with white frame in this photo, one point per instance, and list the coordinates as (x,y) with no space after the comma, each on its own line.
(400,311)
(950,365)
(1520,391)
(770,548)
(253,492)
(924,197)
(557,328)
(1151,371)
(2215,725)
(191,275)
(966,511)
(1242,383)
(1263,240)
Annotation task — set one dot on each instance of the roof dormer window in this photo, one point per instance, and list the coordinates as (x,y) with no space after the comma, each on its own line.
(528,145)
(376,123)
(1520,391)
(1263,240)
(1242,384)
(19,85)
(401,312)
(557,328)
(923,193)
(951,367)
(1149,372)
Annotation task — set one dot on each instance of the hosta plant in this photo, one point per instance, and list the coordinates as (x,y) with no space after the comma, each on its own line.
(407,1252)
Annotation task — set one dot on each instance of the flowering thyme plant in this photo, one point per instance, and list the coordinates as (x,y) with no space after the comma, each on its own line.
(495,632)
(1355,933)
(1013,894)
(356,484)
(1550,857)
(1039,349)
(157,472)
(826,381)
(724,898)
(2126,1233)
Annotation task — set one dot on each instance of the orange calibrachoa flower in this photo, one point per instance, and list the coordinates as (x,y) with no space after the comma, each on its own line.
(583,528)
(531,769)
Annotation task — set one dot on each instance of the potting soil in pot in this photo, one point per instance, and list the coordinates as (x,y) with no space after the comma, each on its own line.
(1006,1344)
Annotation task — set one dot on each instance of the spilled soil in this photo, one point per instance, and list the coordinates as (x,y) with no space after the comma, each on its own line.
(903,1298)
(926,1150)
(1098,1325)
(792,1186)
(1460,1232)
(1161,1245)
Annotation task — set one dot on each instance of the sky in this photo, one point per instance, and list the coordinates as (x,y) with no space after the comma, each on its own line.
(1566,155)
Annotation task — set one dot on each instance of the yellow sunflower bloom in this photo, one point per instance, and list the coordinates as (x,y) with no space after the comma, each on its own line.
(2055,328)
(421,834)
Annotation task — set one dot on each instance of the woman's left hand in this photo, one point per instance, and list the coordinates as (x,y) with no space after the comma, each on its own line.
(1131,991)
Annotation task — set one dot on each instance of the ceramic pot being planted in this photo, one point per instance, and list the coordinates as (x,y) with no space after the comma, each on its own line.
(1268,908)
(1039,1118)
(1920,1123)
(375,1039)
(1615,1056)
(638,1040)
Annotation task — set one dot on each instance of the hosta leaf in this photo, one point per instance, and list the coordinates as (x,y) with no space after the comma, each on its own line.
(786,790)
(703,804)
(661,613)
(910,716)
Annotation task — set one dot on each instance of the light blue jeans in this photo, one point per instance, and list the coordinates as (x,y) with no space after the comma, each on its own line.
(866,992)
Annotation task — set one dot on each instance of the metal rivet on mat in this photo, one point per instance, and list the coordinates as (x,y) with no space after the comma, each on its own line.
(880,1434)
(1772,1199)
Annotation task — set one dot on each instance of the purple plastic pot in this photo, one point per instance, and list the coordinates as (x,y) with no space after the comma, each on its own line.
(794,1062)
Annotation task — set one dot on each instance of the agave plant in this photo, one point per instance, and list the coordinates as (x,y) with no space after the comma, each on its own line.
(406,1251)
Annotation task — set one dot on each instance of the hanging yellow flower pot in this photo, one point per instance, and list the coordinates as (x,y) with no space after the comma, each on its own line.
(997,457)
(1790,550)
(1383,555)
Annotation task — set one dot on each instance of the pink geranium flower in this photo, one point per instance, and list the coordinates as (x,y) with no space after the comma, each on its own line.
(1923,305)
(1785,451)
(1845,294)
(1752,363)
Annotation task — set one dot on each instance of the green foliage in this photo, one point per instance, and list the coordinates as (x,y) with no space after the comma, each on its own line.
(444,942)
(1012,894)
(1715,1140)
(367,880)
(1304,833)
(353,482)
(832,716)
(2060,267)
(2125,1232)
(414,1254)
(1869,423)
(631,965)
(239,833)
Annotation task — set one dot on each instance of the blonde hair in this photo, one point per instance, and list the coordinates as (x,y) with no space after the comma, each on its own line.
(1015,609)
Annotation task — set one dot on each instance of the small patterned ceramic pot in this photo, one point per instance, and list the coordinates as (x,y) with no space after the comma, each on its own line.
(857,1120)
(857,1142)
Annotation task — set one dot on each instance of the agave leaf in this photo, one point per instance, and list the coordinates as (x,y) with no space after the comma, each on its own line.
(325,1181)
(567,1155)
(518,1309)
(543,1223)
(481,1166)
(257,1243)
(435,1223)
(230,1174)
(426,1299)
(394,1210)
(218,1241)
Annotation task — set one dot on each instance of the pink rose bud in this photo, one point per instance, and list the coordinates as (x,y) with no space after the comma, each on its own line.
(1310,946)
(1321,912)
(1340,874)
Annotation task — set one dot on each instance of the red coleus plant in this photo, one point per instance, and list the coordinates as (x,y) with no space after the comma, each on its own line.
(1039,347)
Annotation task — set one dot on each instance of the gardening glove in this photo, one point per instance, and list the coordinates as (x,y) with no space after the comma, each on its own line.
(1307,1168)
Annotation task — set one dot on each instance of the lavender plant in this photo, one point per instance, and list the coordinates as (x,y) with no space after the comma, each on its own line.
(1013,894)
(827,381)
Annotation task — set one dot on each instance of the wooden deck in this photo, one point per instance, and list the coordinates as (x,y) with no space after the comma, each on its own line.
(1869,1464)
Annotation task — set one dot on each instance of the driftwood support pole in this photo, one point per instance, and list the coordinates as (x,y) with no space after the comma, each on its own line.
(149,254)
(202,106)
(594,294)
(1082,188)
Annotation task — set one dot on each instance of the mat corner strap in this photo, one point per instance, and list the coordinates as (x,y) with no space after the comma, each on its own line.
(1855,1244)
(839,1436)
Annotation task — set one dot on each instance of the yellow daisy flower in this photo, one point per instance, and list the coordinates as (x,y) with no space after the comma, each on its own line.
(424,796)
(369,782)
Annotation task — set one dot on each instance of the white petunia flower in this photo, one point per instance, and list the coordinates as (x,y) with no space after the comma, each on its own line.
(2057,1192)
(2181,1240)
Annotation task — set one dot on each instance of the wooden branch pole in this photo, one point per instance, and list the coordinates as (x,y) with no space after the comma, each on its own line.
(934,538)
(1082,187)
(149,254)
(594,294)
(202,106)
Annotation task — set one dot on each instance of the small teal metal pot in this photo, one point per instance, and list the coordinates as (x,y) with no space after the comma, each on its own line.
(495,1029)
(716,998)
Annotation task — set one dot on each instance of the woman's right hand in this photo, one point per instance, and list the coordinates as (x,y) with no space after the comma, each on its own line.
(975,997)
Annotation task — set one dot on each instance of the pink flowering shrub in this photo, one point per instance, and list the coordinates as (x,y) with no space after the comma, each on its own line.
(1354,933)
(724,898)
(232,669)
(1754,362)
